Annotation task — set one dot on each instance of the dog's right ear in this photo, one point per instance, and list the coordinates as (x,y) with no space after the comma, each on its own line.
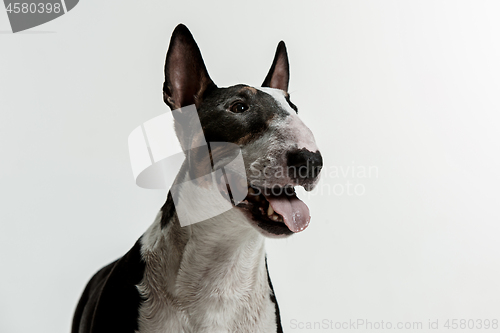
(279,74)
(186,77)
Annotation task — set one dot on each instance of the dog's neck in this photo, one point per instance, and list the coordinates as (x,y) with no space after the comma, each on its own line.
(208,276)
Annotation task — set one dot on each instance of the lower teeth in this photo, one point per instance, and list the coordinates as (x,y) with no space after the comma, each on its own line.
(270,213)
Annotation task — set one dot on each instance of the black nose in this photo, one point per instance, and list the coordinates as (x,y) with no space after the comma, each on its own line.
(304,164)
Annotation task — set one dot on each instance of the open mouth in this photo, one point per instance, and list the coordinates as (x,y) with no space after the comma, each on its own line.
(275,210)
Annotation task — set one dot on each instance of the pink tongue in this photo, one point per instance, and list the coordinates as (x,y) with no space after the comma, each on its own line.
(295,213)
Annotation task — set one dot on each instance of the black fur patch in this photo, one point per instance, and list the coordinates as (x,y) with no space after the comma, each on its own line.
(293,106)
(168,211)
(220,124)
(273,299)
(110,302)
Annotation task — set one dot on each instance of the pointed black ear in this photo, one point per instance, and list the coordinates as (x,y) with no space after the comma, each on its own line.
(279,74)
(186,77)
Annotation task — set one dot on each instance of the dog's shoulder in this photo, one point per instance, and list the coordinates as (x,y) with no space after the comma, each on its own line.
(111,301)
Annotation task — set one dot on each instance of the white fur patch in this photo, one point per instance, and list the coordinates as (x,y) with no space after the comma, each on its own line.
(299,133)
(206,277)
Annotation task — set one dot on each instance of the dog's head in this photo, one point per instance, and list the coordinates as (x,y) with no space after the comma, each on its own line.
(278,150)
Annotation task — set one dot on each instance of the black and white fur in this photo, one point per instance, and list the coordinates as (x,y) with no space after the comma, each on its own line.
(210,276)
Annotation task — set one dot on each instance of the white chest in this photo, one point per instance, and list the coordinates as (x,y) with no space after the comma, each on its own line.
(211,286)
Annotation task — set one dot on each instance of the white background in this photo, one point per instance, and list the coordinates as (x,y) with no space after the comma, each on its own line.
(409,87)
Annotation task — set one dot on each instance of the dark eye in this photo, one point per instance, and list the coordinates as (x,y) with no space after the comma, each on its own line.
(238,107)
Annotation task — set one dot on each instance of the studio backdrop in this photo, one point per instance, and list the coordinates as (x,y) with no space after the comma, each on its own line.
(402,98)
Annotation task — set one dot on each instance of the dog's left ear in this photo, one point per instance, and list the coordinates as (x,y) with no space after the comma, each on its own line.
(279,74)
